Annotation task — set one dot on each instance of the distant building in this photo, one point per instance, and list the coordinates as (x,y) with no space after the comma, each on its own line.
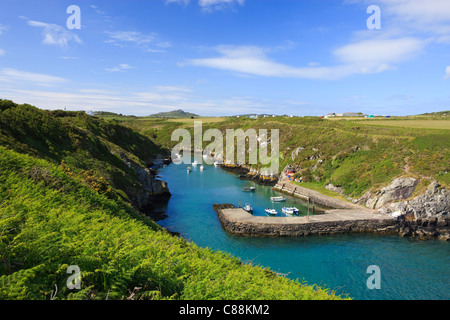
(339,114)
(331,115)
(352,114)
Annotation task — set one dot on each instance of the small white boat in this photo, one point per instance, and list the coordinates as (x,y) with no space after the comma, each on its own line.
(202,168)
(278,199)
(195,163)
(290,210)
(272,212)
(248,208)
(248,189)
(189,170)
(216,163)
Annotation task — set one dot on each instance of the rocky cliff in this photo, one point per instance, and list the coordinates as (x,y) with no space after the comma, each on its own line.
(423,216)
(153,193)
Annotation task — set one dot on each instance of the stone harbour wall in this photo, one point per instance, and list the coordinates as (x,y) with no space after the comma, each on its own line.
(238,222)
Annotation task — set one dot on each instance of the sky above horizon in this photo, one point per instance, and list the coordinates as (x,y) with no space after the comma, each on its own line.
(227,57)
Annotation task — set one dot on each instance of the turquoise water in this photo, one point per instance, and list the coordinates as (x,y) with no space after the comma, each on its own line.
(409,269)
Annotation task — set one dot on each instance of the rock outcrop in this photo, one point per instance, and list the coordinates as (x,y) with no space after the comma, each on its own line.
(424,216)
(152,196)
(399,189)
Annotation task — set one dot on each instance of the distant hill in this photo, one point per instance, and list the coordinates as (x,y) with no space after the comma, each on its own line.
(174,114)
(437,114)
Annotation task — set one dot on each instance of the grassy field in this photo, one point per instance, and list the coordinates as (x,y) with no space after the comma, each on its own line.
(406,123)
(202,119)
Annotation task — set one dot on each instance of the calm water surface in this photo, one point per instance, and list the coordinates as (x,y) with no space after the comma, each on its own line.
(410,269)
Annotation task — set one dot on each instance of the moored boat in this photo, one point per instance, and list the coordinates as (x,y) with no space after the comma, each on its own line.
(278,199)
(189,170)
(248,189)
(248,208)
(272,212)
(290,210)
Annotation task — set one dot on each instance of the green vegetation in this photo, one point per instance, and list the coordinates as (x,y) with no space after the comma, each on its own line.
(175,114)
(87,145)
(64,190)
(56,212)
(357,156)
(412,123)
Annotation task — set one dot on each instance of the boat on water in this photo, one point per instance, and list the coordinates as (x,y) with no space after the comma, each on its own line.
(278,199)
(271,212)
(216,163)
(189,170)
(248,189)
(248,208)
(290,210)
(202,168)
(195,163)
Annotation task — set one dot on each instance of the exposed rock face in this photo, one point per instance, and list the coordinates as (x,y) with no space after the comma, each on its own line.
(247,173)
(153,193)
(424,216)
(150,186)
(399,189)
(333,188)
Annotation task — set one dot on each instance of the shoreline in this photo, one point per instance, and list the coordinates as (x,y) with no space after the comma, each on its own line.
(285,186)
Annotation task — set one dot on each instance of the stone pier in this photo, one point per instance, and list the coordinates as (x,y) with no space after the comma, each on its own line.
(238,221)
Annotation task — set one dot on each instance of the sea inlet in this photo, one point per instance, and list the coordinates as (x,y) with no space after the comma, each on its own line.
(409,268)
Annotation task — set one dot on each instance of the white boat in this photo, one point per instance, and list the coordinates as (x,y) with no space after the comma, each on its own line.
(290,210)
(216,163)
(278,199)
(202,168)
(248,208)
(189,170)
(248,189)
(195,163)
(272,212)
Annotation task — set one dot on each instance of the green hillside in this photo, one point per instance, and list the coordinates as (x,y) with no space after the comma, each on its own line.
(174,114)
(92,147)
(356,155)
(53,216)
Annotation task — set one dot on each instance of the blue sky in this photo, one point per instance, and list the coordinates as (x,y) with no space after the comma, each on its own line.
(226,57)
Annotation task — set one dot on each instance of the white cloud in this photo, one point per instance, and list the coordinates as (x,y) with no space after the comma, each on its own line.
(142,103)
(172,89)
(214,5)
(2,28)
(447,73)
(210,5)
(431,16)
(12,76)
(183,2)
(363,57)
(55,34)
(379,53)
(144,41)
(120,68)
